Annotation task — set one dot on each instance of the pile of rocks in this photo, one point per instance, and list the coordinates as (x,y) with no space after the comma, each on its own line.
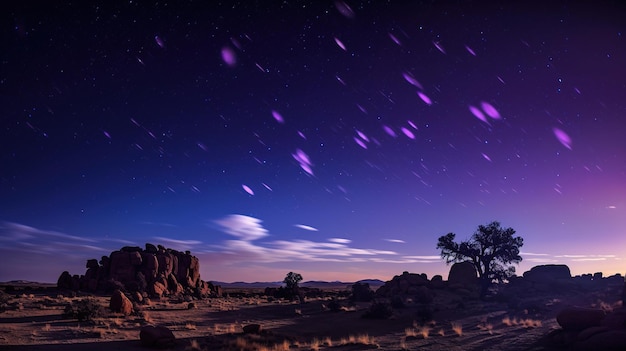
(156,270)
(589,329)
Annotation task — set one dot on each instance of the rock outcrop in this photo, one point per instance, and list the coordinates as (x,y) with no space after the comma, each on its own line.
(157,271)
(403,285)
(548,273)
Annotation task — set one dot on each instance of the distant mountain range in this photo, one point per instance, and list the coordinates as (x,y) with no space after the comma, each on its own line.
(308,284)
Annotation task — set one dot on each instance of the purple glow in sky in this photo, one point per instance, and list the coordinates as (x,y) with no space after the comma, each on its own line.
(336,139)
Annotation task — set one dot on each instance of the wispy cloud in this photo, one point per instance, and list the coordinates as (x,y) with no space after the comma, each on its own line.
(16,231)
(532,254)
(177,244)
(564,258)
(579,257)
(431,258)
(541,260)
(306,227)
(395,241)
(249,229)
(244,227)
(340,240)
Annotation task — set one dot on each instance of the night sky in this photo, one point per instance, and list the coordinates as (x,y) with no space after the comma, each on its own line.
(335,139)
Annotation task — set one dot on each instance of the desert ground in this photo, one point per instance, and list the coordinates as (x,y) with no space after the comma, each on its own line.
(33,320)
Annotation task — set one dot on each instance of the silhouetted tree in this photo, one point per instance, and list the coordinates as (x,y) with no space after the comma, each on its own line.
(291,280)
(492,249)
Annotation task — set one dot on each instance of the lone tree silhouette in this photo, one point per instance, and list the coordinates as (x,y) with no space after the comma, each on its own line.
(292,279)
(492,249)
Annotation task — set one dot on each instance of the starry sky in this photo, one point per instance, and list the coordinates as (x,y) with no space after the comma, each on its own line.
(337,139)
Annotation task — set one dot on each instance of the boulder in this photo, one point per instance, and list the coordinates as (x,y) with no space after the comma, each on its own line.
(93,263)
(252,329)
(579,318)
(616,319)
(65,281)
(548,274)
(150,248)
(149,266)
(610,340)
(436,282)
(156,337)
(157,289)
(463,274)
(120,303)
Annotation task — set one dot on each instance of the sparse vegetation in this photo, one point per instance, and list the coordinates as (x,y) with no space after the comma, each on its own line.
(491,249)
(292,280)
(457,328)
(84,310)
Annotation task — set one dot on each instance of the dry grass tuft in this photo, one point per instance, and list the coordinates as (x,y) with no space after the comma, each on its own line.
(441,332)
(361,339)
(424,332)
(190,326)
(457,328)
(530,323)
(315,344)
(507,321)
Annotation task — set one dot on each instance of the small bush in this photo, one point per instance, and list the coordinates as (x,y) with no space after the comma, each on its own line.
(83,310)
(379,310)
(334,306)
(4,297)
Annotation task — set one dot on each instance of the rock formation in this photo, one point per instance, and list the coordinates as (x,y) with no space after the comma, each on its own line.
(156,271)
(403,285)
(463,275)
(548,273)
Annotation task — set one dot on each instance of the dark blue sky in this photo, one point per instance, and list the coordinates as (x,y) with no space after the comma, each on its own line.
(337,139)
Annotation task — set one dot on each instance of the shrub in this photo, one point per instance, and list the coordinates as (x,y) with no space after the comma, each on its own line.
(379,310)
(361,292)
(334,306)
(83,310)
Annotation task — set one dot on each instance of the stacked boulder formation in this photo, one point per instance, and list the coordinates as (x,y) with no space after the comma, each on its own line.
(157,271)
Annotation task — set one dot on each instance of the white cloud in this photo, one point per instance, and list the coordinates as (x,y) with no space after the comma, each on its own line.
(540,260)
(247,229)
(244,227)
(435,258)
(395,241)
(177,244)
(16,231)
(306,227)
(532,254)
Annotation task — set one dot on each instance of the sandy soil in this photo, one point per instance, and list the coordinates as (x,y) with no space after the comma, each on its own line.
(34,321)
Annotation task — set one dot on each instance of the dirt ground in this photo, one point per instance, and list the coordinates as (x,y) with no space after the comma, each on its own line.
(33,320)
